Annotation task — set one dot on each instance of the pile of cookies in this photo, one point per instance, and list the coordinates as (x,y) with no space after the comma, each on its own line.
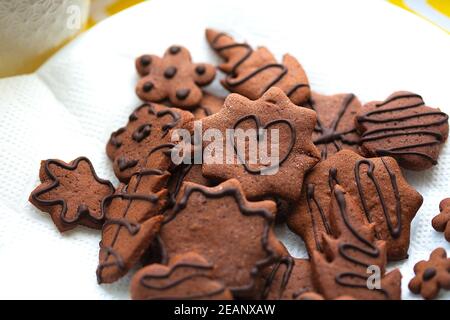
(205,230)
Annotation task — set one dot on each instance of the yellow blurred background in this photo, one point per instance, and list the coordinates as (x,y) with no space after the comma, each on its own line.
(31,31)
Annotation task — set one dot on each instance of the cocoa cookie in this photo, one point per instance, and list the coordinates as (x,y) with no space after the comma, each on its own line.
(380,190)
(341,269)
(287,279)
(233,234)
(272,113)
(252,72)
(432,275)
(174,77)
(71,193)
(209,105)
(335,129)
(146,138)
(403,127)
(187,277)
(316,296)
(133,217)
(441,222)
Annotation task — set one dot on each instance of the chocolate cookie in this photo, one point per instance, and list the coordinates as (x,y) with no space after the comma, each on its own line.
(441,222)
(404,128)
(383,195)
(341,268)
(252,72)
(335,129)
(275,113)
(133,218)
(174,77)
(432,275)
(71,193)
(316,296)
(209,105)
(187,277)
(146,138)
(218,223)
(287,279)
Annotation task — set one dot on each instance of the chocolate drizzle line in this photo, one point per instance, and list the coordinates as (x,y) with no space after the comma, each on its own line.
(260,134)
(331,134)
(146,279)
(394,230)
(403,130)
(55,183)
(216,193)
(367,249)
(133,228)
(289,263)
(231,80)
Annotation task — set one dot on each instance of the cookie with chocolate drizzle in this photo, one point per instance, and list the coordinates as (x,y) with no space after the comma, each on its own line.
(252,72)
(335,129)
(341,268)
(71,193)
(379,189)
(233,234)
(282,176)
(148,129)
(403,127)
(187,277)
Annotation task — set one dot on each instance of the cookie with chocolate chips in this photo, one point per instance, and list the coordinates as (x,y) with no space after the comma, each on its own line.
(403,127)
(231,233)
(335,129)
(349,252)
(274,124)
(146,139)
(252,72)
(71,193)
(379,189)
(187,277)
(173,77)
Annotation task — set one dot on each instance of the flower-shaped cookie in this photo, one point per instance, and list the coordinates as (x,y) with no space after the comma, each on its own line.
(71,193)
(174,77)
(441,222)
(431,275)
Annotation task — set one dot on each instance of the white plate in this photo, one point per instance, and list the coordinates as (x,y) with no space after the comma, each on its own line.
(86,91)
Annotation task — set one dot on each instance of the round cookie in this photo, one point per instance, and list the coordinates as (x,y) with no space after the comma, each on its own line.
(403,127)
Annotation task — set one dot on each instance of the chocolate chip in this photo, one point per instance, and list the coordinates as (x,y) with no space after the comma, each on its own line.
(200,70)
(142,132)
(125,164)
(182,93)
(146,60)
(148,86)
(170,72)
(133,117)
(174,49)
(428,274)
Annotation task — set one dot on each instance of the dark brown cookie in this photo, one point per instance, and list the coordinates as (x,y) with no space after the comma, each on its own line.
(218,223)
(146,138)
(404,128)
(432,275)
(252,72)
(341,269)
(187,277)
(133,218)
(335,129)
(174,77)
(382,193)
(287,279)
(296,152)
(209,105)
(441,222)
(71,193)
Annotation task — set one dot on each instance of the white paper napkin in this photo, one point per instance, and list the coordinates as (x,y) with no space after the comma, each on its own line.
(70,106)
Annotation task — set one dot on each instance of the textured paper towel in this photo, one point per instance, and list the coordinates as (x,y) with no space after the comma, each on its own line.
(73,103)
